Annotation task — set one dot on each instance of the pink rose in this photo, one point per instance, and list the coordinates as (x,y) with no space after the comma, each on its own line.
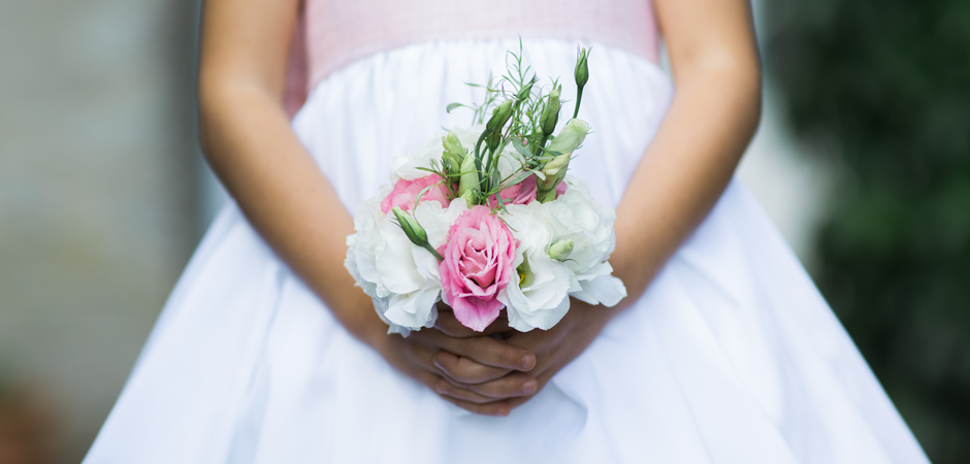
(477,266)
(522,193)
(561,188)
(406,191)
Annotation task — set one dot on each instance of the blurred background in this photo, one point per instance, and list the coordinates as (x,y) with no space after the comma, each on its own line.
(862,160)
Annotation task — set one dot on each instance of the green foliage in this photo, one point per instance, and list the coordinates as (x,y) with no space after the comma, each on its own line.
(523,118)
(889,82)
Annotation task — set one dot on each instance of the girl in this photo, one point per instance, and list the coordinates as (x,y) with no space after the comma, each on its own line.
(266,352)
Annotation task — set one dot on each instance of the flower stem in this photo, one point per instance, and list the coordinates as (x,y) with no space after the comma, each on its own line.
(427,246)
(579,99)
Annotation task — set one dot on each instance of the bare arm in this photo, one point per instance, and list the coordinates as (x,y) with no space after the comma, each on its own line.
(714,112)
(248,142)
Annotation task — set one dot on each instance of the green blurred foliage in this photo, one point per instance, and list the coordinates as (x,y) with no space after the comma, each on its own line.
(888,82)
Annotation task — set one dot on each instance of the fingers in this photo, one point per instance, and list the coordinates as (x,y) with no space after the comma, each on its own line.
(415,360)
(489,351)
(466,371)
(497,408)
(445,388)
(510,386)
(449,325)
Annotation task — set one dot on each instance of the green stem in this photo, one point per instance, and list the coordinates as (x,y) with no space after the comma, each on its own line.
(427,246)
(579,99)
(542,144)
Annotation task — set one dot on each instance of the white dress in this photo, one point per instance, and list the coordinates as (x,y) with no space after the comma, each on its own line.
(731,356)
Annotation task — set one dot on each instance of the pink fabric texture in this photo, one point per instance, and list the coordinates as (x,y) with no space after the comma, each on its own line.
(334,33)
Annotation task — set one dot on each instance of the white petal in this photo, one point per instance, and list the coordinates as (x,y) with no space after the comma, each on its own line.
(605,289)
(395,261)
(414,310)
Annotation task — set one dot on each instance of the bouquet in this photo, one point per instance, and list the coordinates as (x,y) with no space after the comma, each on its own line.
(485,218)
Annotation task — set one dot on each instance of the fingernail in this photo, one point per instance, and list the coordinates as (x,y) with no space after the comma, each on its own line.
(527,362)
(530,387)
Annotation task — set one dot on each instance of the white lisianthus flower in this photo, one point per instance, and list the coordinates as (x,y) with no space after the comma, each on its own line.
(590,226)
(539,298)
(361,259)
(411,273)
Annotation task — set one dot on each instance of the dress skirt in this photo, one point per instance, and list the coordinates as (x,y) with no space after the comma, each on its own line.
(731,356)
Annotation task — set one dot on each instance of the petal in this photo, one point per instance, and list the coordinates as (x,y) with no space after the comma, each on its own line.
(605,289)
(476,313)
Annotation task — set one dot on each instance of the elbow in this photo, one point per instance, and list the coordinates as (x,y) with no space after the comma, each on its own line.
(214,105)
(226,103)
(741,79)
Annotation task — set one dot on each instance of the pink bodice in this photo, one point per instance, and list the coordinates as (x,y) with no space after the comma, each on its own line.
(334,33)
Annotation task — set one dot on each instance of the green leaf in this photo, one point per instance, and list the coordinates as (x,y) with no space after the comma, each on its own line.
(519,147)
(452,106)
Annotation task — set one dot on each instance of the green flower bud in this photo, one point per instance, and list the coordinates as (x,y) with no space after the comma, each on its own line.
(582,75)
(454,154)
(500,116)
(525,91)
(561,249)
(550,113)
(414,231)
(493,141)
(582,70)
(470,198)
(570,137)
(470,178)
(555,172)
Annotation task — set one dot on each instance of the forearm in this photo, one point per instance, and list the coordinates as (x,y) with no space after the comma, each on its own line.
(277,185)
(249,144)
(686,168)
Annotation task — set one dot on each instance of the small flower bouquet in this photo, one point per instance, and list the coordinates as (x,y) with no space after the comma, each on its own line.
(485,218)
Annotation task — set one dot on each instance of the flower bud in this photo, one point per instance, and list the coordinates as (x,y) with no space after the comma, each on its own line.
(550,113)
(470,178)
(555,172)
(500,116)
(570,137)
(525,91)
(493,141)
(470,198)
(454,154)
(582,75)
(414,231)
(561,249)
(582,70)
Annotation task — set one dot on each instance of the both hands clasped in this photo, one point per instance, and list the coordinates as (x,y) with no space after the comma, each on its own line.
(488,374)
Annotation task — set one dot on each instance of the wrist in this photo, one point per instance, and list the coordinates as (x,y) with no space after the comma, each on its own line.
(587,319)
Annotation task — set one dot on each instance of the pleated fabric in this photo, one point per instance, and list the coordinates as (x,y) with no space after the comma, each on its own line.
(731,356)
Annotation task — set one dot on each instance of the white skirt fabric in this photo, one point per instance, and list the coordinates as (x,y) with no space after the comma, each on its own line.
(731,356)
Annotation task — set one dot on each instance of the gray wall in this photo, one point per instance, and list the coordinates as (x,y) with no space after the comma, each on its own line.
(98,173)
